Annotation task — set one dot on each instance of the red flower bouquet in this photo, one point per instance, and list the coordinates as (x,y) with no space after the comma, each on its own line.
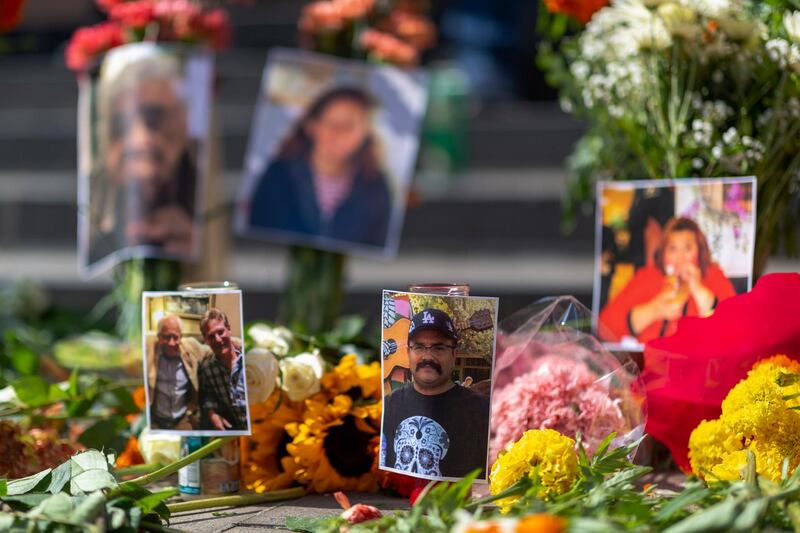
(687,375)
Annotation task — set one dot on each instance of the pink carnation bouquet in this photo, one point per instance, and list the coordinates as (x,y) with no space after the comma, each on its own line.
(552,374)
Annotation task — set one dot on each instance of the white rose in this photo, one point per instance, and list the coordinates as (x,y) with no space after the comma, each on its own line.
(261,368)
(301,375)
(158,448)
(791,21)
(276,340)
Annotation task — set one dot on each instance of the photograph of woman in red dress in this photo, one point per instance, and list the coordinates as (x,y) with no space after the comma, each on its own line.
(682,280)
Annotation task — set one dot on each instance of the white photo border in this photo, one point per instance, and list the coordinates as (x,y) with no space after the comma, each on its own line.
(496,306)
(193,433)
(249,179)
(87,95)
(643,184)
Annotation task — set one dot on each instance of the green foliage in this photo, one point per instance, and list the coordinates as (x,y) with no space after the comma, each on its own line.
(606,498)
(81,494)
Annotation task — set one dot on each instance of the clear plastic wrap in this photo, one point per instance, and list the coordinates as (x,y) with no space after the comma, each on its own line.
(551,372)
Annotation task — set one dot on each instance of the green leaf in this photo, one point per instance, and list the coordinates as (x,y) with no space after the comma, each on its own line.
(90,481)
(25,502)
(155,503)
(307,524)
(106,433)
(90,508)
(3,487)
(58,506)
(74,389)
(32,391)
(24,360)
(60,477)
(718,517)
(26,484)
(6,521)
(88,460)
(690,496)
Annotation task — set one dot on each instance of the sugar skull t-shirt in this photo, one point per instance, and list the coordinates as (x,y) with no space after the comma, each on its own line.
(443,435)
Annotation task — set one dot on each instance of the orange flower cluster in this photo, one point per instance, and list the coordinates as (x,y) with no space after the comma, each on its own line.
(333,15)
(170,20)
(397,36)
(581,10)
(387,48)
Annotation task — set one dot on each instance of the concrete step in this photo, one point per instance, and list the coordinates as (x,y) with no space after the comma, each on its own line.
(38,117)
(489,209)
(517,278)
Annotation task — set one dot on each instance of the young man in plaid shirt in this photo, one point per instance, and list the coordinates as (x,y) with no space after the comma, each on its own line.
(223,404)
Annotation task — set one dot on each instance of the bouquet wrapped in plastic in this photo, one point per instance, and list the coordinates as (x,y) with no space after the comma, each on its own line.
(552,373)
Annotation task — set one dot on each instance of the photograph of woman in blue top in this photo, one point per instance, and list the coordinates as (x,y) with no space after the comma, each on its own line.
(326,179)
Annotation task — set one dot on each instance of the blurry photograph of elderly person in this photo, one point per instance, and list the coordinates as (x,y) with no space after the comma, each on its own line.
(144,178)
(172,362)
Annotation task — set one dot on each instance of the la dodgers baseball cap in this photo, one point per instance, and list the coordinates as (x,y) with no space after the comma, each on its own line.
(433,320)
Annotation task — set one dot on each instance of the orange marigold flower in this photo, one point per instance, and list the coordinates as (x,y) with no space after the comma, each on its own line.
(582,10)
(541,523)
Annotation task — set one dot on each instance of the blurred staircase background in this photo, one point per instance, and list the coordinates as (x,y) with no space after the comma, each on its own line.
(497,226)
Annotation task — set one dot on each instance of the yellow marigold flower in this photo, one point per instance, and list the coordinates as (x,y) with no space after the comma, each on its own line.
(755,417)
(544,450)
(708,444)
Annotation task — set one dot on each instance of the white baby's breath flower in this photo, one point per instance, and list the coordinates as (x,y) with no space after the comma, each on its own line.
(276,339)
(778,51)
(300,375)
(730,136)
(716,151)
(579,69)
(791,22)
(261,369)
(697,163)
(679,20)
(159,448)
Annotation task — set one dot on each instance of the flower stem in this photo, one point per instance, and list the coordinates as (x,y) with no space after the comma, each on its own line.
(517,489)
(236,500)
(135,470)
(171,468)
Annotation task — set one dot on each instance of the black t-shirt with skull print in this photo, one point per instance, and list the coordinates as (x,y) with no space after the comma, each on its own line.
(444,435)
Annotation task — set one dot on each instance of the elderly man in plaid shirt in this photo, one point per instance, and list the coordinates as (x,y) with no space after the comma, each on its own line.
(223,404)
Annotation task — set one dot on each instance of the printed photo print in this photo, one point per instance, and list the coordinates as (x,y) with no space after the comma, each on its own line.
(437,362)
(669,249)
(332,150)
(143,127)
(194,364)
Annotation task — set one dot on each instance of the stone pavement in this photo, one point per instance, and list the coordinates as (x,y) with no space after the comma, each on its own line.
(272,516)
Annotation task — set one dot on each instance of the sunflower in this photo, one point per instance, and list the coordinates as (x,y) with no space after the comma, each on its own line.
(266,463)
(357,381)
(335,447)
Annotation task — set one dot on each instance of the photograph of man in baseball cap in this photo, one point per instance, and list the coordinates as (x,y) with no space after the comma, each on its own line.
(435,426)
